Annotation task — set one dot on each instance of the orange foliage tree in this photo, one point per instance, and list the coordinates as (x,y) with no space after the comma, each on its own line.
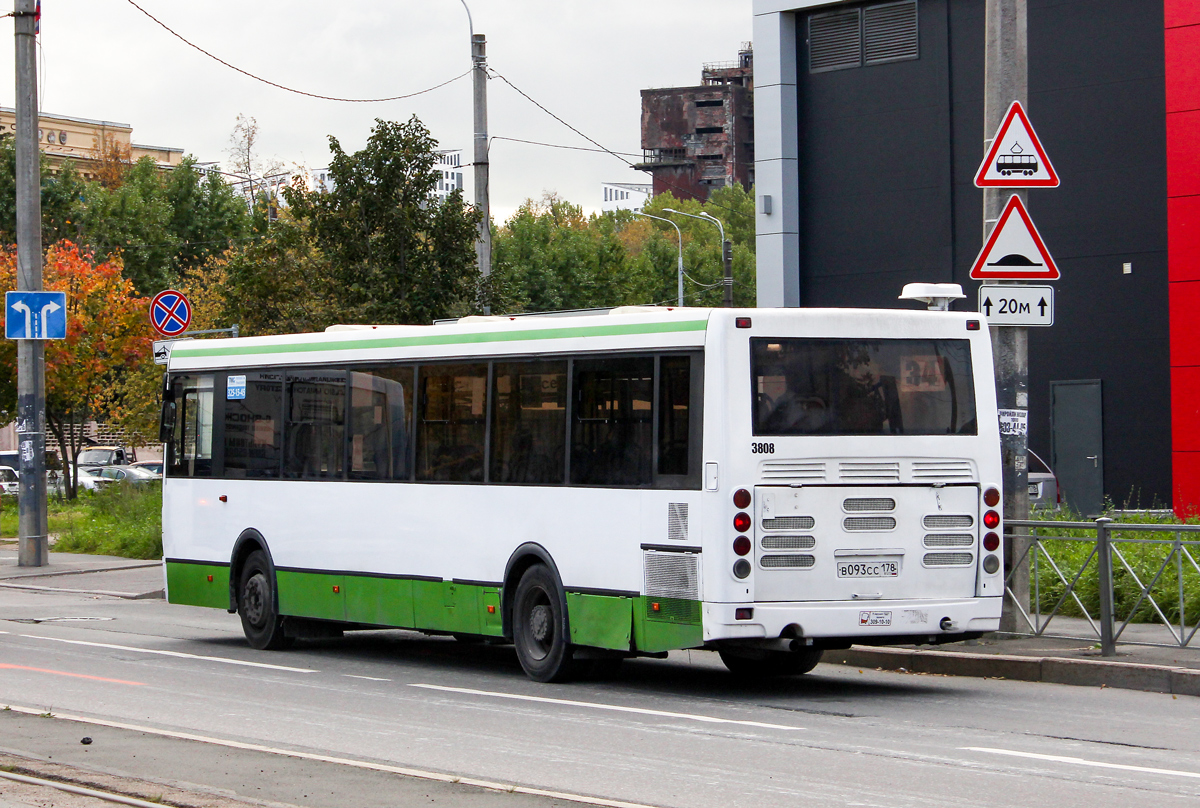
(108,338)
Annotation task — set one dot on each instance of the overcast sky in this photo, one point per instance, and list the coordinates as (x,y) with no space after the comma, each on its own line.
(585,61)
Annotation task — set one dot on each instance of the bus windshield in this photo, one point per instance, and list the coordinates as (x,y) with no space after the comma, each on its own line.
(863,387)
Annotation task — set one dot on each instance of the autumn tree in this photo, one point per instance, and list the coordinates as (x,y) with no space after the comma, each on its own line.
(108,337)
(397,254)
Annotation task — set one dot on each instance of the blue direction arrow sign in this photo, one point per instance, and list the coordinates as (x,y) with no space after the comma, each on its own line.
(35,315)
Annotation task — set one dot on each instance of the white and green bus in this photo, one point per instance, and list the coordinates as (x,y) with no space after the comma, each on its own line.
(768,483)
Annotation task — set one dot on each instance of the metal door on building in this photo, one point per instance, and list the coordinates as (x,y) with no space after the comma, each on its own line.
(1077,443)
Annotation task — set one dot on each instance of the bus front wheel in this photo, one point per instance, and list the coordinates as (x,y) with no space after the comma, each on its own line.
(539,627)
(257,605)
(770,663)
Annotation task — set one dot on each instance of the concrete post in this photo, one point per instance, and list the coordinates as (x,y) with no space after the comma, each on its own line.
(483,249)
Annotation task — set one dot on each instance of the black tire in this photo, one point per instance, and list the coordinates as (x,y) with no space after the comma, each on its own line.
(763,664)
(540,627)
(257,605)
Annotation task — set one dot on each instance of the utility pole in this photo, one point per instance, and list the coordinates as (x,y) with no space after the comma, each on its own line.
(32,549)
(483,249)
(1006,79)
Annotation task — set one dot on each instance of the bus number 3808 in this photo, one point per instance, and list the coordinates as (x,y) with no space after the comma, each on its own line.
(762,448)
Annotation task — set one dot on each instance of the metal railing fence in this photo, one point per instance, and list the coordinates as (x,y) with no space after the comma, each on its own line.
(1068,576)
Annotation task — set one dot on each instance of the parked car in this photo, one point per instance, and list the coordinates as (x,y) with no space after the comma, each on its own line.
(91,480)
(104,456)
(127,474)
(155,466)
(10,480)
(1044,493)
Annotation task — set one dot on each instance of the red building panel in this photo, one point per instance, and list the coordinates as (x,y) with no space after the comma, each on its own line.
(1183,68)
(1186,478)
(1183,153)
(1183,243)
(1185,325)
(1185,416)
(1182,12)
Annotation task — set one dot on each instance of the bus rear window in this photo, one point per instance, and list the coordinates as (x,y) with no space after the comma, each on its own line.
(863,387)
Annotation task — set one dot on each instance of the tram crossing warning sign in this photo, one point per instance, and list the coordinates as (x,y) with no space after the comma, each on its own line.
(1015,250)
(1016,158)
(170,313)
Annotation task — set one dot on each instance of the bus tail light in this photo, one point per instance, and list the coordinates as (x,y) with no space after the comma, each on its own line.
(741,522)
(743,614)
(741,568)
(991,542)
(991,497)
(741,499)
(991,520)
(741,545)
(991,564)
(741,322)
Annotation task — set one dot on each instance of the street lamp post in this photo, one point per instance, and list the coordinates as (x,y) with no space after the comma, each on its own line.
(483,249)
(680,234)
(726,250)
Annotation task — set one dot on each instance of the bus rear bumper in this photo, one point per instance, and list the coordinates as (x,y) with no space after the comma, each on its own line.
(871,622)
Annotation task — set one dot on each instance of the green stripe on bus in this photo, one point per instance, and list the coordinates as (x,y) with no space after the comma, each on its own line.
(189,585)
(197,349)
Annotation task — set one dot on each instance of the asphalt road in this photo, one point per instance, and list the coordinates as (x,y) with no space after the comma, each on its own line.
(676,732)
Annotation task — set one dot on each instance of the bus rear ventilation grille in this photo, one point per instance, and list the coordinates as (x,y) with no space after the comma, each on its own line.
(867,472)
(869,504)
(948,559)
(677,521)
(942,521)
(793,471)
(943,470)
(861,523)
(671,575)
(949,540)
(788,542)
(787,561)
(789,523)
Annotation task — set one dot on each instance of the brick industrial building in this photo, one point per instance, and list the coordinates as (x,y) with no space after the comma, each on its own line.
(698,138)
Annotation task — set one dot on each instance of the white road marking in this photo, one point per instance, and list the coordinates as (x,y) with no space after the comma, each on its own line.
(1083,762)
(178,654)
(368,678)
(708,719)
(422,774)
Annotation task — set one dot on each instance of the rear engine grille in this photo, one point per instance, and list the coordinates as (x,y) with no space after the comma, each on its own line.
(949,559)
(941,470)
(860,523)
(789,523)
(672,575)
(863,472)
(939,521)
(793,471)
(949,540)
(788,542)
(869,504)
(787,561)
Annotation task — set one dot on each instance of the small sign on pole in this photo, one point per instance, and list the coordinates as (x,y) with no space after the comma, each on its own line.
(170,313)
(162,349)
(1015,250)
(35,315)
(1016,158)
(1017,305)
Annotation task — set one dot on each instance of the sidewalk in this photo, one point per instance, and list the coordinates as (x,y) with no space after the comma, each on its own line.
(1161,669)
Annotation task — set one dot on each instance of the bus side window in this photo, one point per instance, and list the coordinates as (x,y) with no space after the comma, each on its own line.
(315,427)
(253,409)
(674,413)
(189,452)
(452,422)
(612,427)
(380,427)
(529,422)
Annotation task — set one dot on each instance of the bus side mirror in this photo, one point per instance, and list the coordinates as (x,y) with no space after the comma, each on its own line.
(166,426)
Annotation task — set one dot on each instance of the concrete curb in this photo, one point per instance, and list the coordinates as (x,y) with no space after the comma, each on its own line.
(157,593)
(1057,670)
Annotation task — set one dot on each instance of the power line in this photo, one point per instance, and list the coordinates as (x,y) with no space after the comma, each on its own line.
(559,146)
(168,29)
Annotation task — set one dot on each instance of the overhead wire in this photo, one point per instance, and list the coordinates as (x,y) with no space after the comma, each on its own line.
(216,58)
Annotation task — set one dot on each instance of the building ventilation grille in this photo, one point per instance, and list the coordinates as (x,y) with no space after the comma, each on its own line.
(672,575)
(890,32)
(834,41)
(949,559)
(789,523)
(949,540)
(788,561)
(788,542)
(868,523)
(677,521)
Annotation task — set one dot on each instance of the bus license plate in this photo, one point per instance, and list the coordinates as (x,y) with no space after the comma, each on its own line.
(869,568)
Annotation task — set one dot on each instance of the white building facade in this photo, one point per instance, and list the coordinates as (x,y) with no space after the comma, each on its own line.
(625,196)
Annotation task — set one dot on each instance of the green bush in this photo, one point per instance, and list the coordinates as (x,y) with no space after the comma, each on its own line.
(121,520)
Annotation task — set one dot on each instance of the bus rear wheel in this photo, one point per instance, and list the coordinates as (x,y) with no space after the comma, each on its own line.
(257,607)
(540,627)
(765,664)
